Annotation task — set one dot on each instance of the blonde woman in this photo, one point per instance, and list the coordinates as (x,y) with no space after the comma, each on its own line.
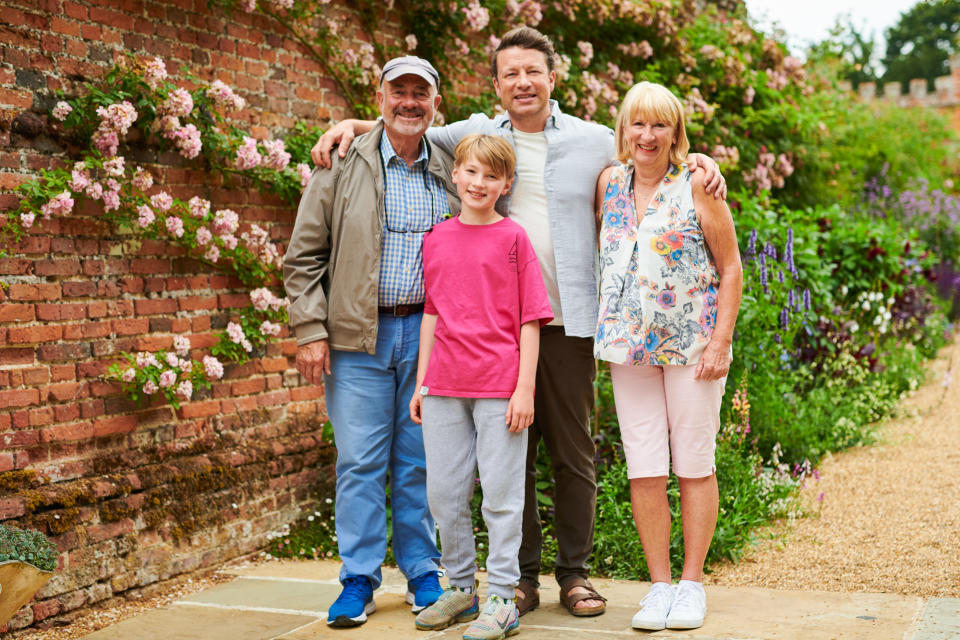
(670,290)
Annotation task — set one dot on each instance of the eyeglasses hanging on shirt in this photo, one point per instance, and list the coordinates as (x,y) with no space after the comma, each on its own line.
(436,215)
(409,229)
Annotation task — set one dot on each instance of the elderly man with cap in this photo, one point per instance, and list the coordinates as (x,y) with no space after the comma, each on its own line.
(354,274)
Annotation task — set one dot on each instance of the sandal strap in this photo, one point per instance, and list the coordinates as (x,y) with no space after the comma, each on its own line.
(573,598)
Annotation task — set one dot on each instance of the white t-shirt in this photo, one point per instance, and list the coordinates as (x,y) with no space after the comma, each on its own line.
(528,208)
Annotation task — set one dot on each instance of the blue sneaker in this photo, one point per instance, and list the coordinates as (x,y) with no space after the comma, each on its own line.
(424,590)
(353,604)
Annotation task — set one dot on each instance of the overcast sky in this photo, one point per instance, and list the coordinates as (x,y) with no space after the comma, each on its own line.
(807,21)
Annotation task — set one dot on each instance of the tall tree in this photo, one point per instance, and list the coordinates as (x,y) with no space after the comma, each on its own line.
(921,43)
(847,50)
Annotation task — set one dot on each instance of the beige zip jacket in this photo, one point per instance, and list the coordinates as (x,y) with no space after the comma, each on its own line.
(331,269)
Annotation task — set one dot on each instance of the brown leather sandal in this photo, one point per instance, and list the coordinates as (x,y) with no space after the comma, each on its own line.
(569,601)
(530,599)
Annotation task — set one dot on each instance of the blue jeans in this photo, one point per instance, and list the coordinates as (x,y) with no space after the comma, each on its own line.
(368,399)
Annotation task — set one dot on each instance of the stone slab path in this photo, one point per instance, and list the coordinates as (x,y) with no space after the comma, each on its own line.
(288,600)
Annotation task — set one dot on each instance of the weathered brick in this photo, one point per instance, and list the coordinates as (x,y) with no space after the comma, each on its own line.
(45,609)
(16,312)
(61,311)
(67,432)
(11,507)
(35,334)
(19,291)
(60,372)
(24,355)
(36,376)
(66,412)
(230,301)
(200,409)
(19,398)
(114,424)
(69,351)
(58,267)
(66,391)
(40,417)
(79,288)
(155,306)
(195,303)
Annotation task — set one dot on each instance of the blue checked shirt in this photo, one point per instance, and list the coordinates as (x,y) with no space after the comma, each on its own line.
(414,201)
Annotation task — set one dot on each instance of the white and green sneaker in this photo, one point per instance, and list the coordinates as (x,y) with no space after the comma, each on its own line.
(455,605)
(498,620)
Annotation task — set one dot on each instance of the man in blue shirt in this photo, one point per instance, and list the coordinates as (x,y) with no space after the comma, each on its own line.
(559,158)
(354,274)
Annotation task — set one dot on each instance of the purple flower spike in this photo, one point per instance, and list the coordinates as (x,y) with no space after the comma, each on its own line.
(763,273)
(770,250)
(752,243)
(806,299)
(784,318)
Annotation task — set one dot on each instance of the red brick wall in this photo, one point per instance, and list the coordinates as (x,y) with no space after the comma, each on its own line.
(135,495)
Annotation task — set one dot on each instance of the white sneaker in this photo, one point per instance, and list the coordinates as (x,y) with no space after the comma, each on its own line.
(654,608)
(689,606)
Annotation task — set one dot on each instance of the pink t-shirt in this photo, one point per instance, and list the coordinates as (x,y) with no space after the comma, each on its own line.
(483,282)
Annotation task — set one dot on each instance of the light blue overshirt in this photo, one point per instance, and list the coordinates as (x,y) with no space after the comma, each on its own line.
(414,201)
(577,152)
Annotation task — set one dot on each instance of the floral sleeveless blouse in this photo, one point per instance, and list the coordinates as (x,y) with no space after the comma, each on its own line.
(658,281)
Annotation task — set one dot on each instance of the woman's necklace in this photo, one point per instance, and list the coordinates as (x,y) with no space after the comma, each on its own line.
(642,195)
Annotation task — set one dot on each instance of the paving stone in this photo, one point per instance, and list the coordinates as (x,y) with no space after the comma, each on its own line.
(177,622)
(277,593)
(940,620)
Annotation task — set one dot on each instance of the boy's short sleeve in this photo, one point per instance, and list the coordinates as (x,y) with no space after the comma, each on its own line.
(534,304)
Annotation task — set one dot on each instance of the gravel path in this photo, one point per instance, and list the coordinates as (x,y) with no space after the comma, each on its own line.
(890,518)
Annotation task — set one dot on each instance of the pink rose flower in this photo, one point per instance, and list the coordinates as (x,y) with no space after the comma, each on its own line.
(161,201)
(185,389)
(175,226)
(181,345)
(203,236)
(146,216)
(199,207)
(62,110)
(212,367)
(168,378)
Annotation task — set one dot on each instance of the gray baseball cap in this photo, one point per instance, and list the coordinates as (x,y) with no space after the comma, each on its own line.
(410,64)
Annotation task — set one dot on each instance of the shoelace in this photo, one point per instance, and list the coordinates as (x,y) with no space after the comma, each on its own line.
(656,597)
(419,581)
(492,604)
(686,597)
(355,588)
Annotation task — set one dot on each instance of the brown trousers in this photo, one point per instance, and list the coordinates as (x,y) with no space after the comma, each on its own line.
(562,407)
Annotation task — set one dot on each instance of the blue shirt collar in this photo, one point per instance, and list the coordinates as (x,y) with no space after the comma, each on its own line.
(553,120)
(388,153)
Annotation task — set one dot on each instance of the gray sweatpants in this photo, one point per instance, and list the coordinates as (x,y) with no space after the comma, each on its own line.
(461,436)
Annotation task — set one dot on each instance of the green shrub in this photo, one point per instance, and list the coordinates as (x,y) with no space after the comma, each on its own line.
(25,545)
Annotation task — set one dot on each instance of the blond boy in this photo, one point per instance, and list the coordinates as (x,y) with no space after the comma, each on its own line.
(479,338)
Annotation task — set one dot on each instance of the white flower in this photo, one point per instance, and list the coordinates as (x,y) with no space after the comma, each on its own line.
(62,110)
(182,345)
